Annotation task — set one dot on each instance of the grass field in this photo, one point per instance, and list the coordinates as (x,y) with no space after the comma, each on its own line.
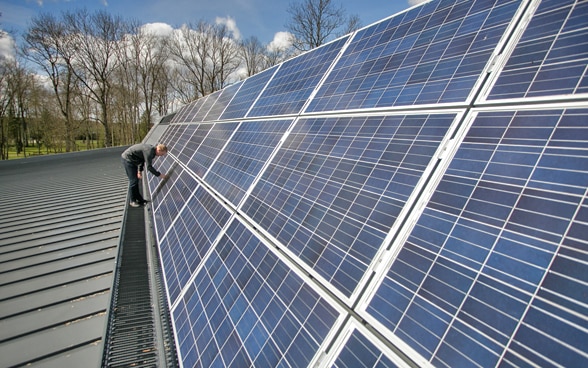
(32,151)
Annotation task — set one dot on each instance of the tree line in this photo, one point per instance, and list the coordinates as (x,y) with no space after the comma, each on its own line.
(102,79)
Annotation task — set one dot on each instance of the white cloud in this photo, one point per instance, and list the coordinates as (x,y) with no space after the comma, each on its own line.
(158,29)
(7,46)
(281,41)
(415,2)
(231,25)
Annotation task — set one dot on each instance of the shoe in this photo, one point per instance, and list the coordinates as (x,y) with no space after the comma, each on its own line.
(135,204)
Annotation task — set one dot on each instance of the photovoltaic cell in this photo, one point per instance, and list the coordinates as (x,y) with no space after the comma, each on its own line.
(294,81)
(221,103)
(242,159)
(457,232)
(246,308)
(181,114)
(170,133)
(207,144)
(493,272)
(177,137)
(182,146)
(360,352)
(208,102)
(179,189)
(247,95)
(189,238)
(163,164)
(430,54)
(337,185)
(550,59)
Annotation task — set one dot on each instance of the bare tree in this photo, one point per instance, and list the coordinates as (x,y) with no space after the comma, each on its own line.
(96,42)
(205,59)
(45,44)
(189,48)
(152,53)
(314,22)
(252,53)
(223,57)
(6,98)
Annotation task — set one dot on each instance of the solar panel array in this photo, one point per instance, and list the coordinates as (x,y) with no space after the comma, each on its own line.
(414,193)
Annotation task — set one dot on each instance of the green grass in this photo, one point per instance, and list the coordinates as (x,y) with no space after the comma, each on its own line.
(32,151)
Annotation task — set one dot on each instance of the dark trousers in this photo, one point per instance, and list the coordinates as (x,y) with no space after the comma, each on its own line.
(131,171)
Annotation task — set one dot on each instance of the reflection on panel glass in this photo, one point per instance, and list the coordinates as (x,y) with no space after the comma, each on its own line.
(247,95)
(292,84)
(337,185)
(157,187)
(551,57)
(495,269)
(189,239)
(176,190)
(206,145)
(360,352)
(226,95)
(172,138)
(182,113)
(244,156)
(431,54)
(491,271)
(246,308)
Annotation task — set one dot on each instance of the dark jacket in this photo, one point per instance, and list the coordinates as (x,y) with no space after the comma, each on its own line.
(141,155)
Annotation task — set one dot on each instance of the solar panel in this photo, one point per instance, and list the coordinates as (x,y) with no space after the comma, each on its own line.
(207,144)
(178,190)
(550,59)
(293,82)
(225,97)
(337,185)
(412,194)
(247,308)
(244,156)
(189,237)
(247,94)
(430,54)
(497,258)
(208,102)
(181,114)
(359,350)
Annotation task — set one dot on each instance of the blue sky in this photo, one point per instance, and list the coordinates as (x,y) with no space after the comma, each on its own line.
(260,18)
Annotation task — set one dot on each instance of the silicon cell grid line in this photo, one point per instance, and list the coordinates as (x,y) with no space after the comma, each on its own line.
(226,95)
(247,94)
(494,272)
(431,54)
(156,186)
(551,57)
(187,241)
(175,138)
(206,145)
(294,81)
(336,186)
(247,308)
(176,197)
(360,351)
(244,156)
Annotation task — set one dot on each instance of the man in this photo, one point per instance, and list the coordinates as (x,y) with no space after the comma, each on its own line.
(134,160)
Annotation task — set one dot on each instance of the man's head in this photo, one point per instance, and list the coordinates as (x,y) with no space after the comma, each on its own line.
(160,150)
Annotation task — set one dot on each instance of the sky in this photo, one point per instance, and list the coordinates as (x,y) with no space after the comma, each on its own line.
(264,19)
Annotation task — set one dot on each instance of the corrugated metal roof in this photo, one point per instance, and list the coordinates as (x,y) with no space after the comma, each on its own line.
(60,229)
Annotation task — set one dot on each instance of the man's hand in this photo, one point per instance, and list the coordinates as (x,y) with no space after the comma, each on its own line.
(139,176)
(163,176)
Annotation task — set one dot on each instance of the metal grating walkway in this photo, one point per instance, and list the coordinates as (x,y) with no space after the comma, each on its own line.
(131,339)
(135,336)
